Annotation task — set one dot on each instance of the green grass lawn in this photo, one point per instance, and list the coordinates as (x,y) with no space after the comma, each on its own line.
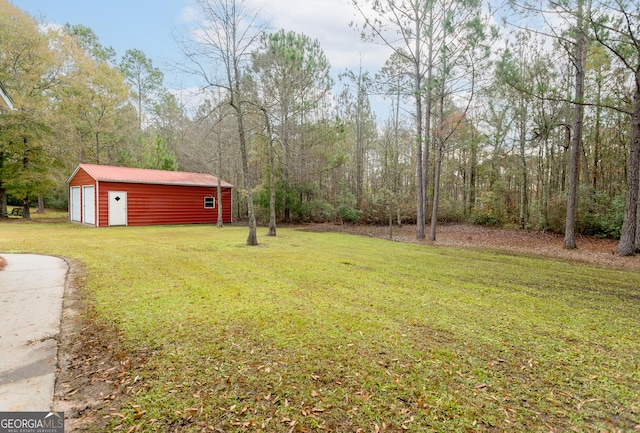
(333,332)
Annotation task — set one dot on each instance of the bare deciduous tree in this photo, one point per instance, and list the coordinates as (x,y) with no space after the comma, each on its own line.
(402,26)
(218,52)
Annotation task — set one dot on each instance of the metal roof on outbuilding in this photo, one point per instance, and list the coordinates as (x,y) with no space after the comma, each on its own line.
(107,173)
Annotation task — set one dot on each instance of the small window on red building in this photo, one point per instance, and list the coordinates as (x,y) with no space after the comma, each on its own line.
(209,202)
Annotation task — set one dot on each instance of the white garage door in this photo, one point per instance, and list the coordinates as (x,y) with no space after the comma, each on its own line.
(88,205)
(74,204)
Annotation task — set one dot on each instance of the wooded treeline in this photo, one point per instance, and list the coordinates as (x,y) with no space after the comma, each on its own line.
(507,118)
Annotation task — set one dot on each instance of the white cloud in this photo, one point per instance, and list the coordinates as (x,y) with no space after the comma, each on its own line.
(328,22)
(189,14)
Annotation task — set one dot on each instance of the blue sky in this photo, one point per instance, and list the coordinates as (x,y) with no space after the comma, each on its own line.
(151,26)
(143,24)
(148,25)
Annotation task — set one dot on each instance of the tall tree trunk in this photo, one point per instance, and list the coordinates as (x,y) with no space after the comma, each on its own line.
(596,141)
(637,241)
(139,110)
(420,192)
(26,204)
(438,166)
(472,176)
(417,88)
(390,210)
(426,152)
(436,192)
(3,203)
(97,148)
(427,112)
(219,199)
(286,174)
(395,170)
(576,140)
(252,238)
(272,176)
(524,183)
(219,223)
(627,244)
(3,193)
(546,182)
(465,183)
(359,144)
(26,208)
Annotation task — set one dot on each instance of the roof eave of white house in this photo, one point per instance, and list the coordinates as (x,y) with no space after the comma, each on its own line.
(5,101)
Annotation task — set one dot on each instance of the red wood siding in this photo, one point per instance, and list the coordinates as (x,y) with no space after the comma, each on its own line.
(152,204)
(82,179)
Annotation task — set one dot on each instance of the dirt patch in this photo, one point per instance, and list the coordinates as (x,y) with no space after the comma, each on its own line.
(590,249)
(92,368)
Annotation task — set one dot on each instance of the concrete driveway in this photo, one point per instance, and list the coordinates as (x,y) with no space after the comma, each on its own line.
(31,291)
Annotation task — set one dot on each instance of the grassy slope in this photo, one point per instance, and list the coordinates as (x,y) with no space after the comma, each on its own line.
(313,331)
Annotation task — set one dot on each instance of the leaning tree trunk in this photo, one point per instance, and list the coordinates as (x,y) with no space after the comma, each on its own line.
(252,238)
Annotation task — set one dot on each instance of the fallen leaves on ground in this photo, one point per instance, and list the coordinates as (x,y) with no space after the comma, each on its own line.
(590,249)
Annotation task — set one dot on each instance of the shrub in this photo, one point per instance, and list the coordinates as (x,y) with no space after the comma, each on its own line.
(490,210)
(484,217)
(556,214)
(450,210)
(603,217)
(317,211)
(349,214)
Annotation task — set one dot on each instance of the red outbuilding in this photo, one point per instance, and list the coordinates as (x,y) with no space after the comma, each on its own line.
(102,195)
